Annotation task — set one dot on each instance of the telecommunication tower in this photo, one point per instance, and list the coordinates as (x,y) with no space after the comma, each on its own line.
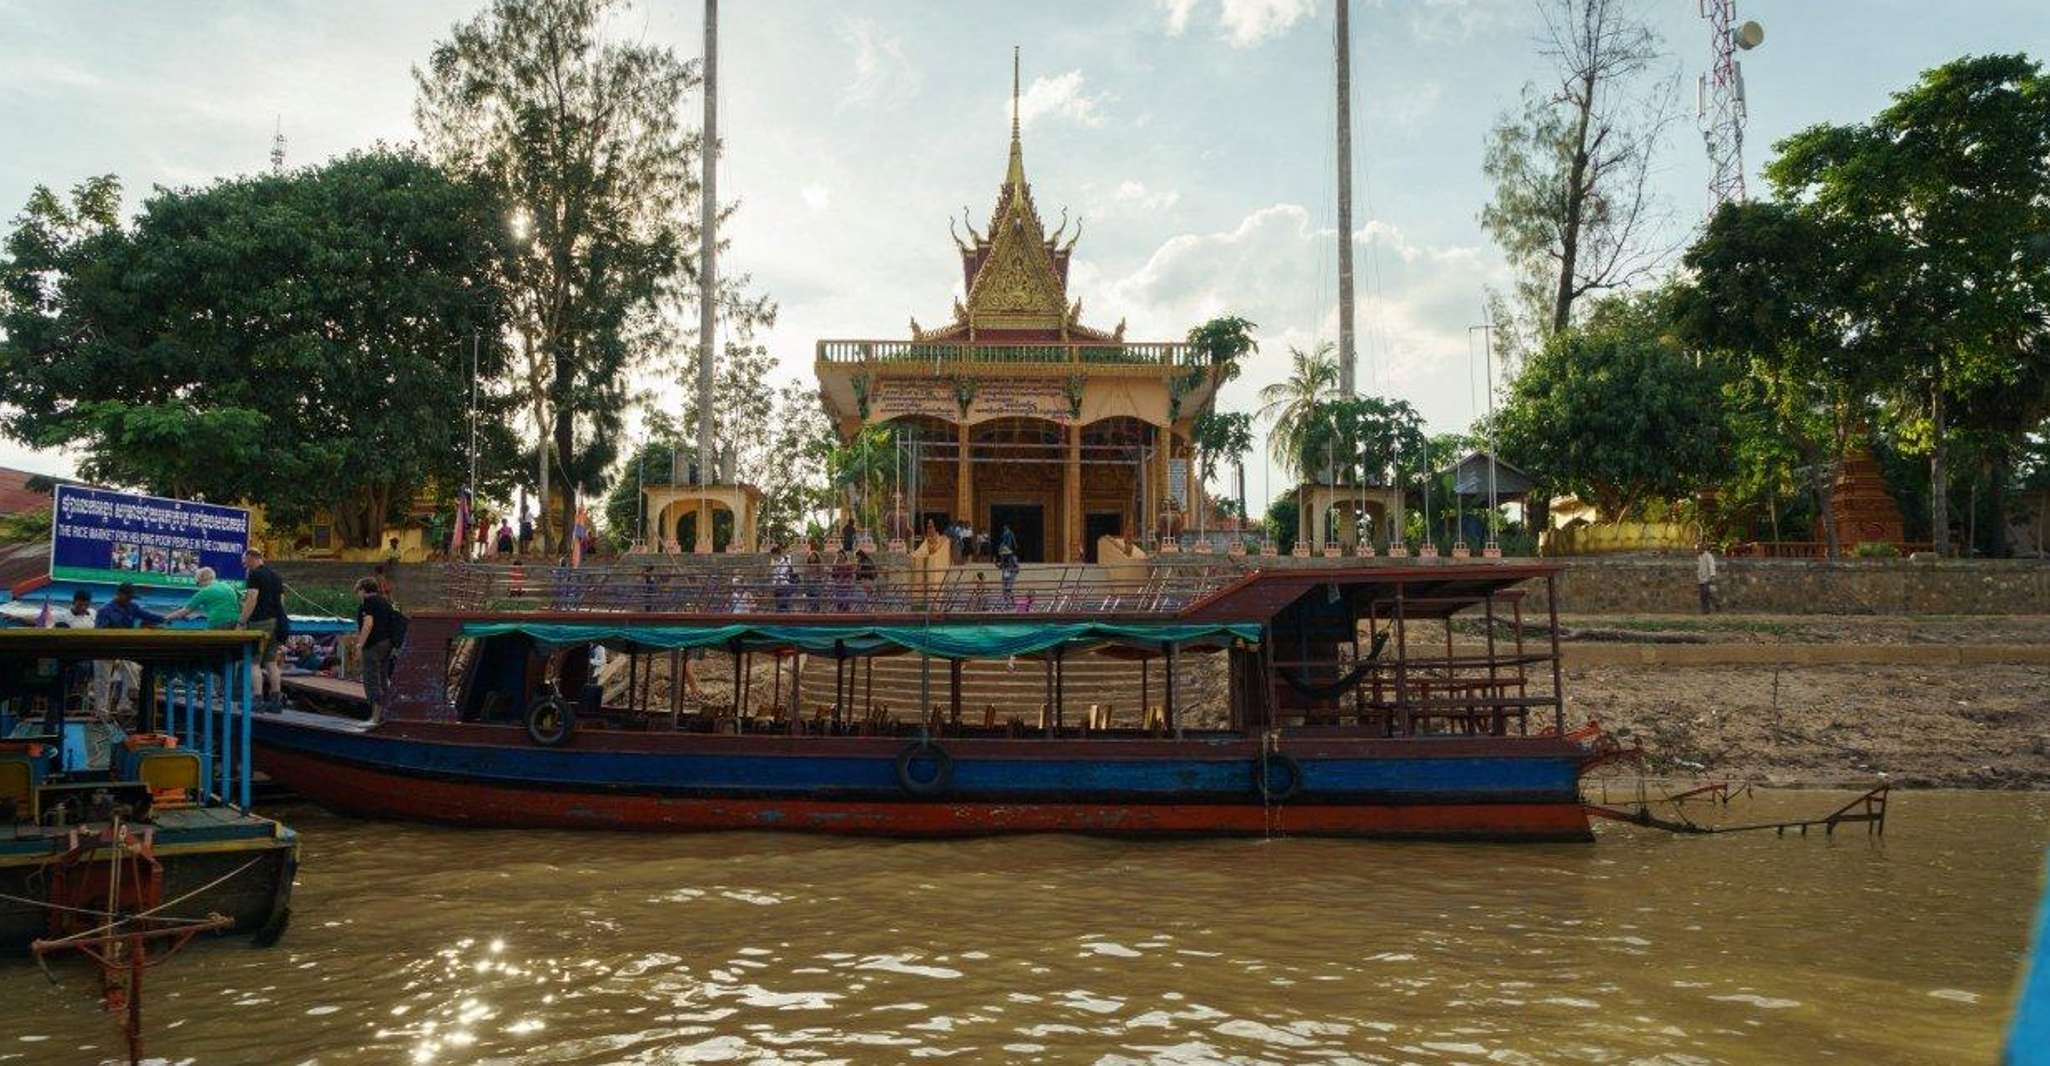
(277,147)
(1719,100)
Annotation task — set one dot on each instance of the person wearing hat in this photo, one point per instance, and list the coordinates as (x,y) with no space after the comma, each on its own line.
(122,612)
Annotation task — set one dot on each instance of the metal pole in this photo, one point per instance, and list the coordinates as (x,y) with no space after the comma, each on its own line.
(1488,350)
(1342,42)
(247,711)
(707,243)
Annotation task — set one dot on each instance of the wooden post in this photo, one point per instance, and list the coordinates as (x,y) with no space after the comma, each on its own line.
(839,678)
(1174,723)
(1060,688)
(1071,497)
(964,497)
(1558,675)
(676,685)
(1501,727)
(743,682)
(1047,662)
(1402,664)
(796,693)
(1145,693)
(954,690)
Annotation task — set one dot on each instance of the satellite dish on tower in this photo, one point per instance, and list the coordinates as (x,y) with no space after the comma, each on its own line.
(1748,36)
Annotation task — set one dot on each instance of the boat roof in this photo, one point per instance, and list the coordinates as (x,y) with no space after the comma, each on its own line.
(174,647)
(1252,597)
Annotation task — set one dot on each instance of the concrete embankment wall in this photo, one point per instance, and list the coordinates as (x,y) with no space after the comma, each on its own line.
(1665,585)
(1614,585)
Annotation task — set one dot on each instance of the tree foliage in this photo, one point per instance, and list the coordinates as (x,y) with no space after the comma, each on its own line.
(1573,207)
(1293,403)
(580,135)
(1904,260)
(1617,412)
(299,339)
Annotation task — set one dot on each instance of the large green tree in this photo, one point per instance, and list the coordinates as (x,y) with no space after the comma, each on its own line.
(303,340)
(1766,294)
(579,129)
(1936,210)
(1573,207)
(1617,412)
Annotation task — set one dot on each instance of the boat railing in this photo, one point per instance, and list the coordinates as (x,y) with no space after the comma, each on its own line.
(755,586)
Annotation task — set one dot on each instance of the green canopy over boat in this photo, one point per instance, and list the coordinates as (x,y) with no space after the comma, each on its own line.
(952,640)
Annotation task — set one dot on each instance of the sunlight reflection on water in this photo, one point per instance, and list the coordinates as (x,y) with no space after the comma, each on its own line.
(448,946)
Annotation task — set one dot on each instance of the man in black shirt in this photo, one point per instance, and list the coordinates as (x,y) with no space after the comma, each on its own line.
(377,628)
(263,610)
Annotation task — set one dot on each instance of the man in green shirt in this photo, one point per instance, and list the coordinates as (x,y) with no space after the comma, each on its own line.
(212,599)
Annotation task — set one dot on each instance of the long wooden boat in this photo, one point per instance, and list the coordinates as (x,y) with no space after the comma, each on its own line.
(114,828)
(1335,720)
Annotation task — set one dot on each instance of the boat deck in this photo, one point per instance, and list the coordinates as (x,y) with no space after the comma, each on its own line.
(176,828)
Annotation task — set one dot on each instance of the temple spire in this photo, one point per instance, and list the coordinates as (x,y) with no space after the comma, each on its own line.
(1016,177)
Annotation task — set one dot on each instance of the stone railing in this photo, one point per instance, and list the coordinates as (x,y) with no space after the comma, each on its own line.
(1089,353)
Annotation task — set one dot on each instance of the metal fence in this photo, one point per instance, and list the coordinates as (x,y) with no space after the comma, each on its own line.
(754,586)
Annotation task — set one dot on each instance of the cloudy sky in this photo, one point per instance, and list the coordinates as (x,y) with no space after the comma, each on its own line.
(1193,137)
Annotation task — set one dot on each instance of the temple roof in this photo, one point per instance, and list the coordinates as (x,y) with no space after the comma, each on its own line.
(1016,276)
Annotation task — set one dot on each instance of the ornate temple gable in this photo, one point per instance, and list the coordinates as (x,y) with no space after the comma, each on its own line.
(1015,274)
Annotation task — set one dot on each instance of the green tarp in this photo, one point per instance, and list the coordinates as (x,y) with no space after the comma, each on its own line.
(954,640)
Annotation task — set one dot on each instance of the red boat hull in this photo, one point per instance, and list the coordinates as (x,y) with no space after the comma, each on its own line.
(357,790)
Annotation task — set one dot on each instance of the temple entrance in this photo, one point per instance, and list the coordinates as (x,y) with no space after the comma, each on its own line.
(1096,526)
(1028,524)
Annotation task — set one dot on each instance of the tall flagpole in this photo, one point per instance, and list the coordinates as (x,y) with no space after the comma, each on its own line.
(707,267)
(1343,40)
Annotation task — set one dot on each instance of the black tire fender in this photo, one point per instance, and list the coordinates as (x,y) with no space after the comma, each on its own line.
(1263,776)
(550,721)
(941,779)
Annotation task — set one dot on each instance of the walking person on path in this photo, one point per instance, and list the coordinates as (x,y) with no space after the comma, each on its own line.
(1704,578)
(1007,565)
(377,635)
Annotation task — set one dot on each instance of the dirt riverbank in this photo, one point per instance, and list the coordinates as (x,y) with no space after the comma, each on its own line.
(1954,726)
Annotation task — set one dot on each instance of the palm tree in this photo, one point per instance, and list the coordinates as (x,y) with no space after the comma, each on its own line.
(1297,403)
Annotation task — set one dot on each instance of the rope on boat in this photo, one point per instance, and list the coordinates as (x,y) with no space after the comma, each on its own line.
(138,916)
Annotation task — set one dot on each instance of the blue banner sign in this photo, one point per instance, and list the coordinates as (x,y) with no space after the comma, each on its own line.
(100,535)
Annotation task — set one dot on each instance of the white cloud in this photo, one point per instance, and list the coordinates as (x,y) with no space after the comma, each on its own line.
(816,196)
(1178,12)
(883,76)
(1060,96)
(1453,21)
(1279,269)
(1248,22)
(1134,193)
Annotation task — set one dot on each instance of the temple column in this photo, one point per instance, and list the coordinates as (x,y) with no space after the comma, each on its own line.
(1163,441)
(1071,494)
(964,496)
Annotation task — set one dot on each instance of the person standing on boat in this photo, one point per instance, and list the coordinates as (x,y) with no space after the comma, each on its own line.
(112,681)
(1704,578)
(122,612)
(377,627)
(263,610)
(211,599)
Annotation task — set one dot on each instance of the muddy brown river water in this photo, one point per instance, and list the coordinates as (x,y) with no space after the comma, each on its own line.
(420,945)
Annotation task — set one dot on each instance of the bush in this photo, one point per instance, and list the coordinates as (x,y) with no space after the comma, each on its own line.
(1871,549)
